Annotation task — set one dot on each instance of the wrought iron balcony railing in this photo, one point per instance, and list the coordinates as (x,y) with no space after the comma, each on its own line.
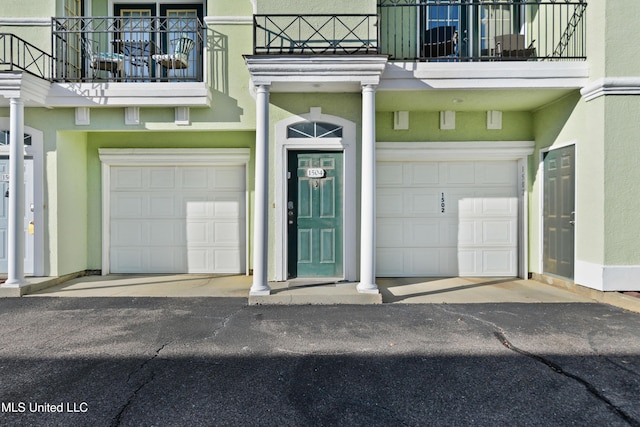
(435,30)
(489,30)
(17,54)
(315,34)
(128,49)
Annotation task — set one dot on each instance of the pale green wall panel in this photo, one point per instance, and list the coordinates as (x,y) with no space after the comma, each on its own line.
(295,7)
(229,8)
(71,210)
(622,47)
(470,126)
(622,177)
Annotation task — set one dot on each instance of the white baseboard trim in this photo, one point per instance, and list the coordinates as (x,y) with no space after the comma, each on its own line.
(607,277)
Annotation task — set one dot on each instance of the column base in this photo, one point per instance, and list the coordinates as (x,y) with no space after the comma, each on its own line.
(367,288)
(259,290)
(15,283)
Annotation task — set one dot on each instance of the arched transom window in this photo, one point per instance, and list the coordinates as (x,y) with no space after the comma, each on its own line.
(4,138)
(314,130)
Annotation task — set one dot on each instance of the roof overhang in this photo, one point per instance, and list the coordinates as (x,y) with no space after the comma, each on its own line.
(18,85)
(334,73)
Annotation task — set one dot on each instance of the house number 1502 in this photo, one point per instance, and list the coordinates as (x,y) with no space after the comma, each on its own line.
(442,204)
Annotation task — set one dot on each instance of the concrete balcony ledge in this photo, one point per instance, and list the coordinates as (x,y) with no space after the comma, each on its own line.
(485,75)
(123,94)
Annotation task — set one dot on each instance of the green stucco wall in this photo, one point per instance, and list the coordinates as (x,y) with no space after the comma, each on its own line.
(622,177)
(69,216)
(294,7)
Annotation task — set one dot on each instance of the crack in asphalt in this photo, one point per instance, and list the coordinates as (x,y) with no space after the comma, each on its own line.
(500,334)
(118,418)
(558,369)
(226,320)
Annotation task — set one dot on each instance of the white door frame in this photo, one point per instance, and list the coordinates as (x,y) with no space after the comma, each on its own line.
(35,151)
(347,145)
(165,157)
(473,151)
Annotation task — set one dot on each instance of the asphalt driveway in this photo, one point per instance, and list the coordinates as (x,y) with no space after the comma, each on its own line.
(216,361)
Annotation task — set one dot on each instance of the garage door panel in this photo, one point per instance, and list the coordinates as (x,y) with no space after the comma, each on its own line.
(499,232)
(161,178)
(227,261)
(161,206)
(498,262)
(230,206)
(422,203)
(507,206)
(177,219)
(229,179)
(199,233)
(227,233)
(389,174)
(422,233)
(163,232)
(456,173)
(500,173)
(126,178)
(423,174)
(194,178)
(391,231)
(390,262)
(389,203)
(128,205)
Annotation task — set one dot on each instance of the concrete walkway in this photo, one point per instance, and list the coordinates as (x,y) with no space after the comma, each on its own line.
(416,290)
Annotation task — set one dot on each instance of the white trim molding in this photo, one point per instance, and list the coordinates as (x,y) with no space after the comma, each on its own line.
(438,151)
(162,157)
(607,277)
(611,86)
(228,20)
(25,22)
(346,144)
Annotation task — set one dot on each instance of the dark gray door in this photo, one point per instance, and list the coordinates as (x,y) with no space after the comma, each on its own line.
(559,211)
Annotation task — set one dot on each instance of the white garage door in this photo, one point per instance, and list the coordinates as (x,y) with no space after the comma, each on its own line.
(177,219)
(447,219)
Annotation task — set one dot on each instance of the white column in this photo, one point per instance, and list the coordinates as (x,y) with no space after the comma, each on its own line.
(15,243)
(261,201)
(368,193)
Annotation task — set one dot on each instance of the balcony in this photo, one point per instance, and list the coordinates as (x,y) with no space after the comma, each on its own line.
(483,30)
(435,31)
(131,49)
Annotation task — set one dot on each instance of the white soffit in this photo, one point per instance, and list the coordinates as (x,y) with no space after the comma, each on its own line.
(314,73)
(484,75)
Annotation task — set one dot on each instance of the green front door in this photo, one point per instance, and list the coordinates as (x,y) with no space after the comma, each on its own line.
(314,214)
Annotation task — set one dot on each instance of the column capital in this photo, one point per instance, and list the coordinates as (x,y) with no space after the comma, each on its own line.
(369,87)
(262,88)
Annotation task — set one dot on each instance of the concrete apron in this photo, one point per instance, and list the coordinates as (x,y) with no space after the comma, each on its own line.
(392,290)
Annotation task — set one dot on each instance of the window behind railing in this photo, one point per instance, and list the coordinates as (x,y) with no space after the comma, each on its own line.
(454,30)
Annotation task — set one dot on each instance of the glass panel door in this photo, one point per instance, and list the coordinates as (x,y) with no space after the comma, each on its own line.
(181,37)
(136,40)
